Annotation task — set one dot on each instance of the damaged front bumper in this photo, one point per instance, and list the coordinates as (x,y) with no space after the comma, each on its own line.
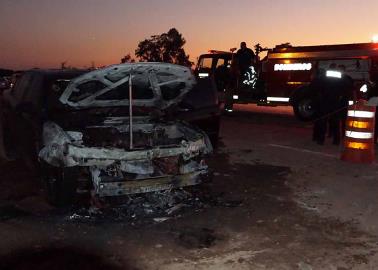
(115,172)
(119,188)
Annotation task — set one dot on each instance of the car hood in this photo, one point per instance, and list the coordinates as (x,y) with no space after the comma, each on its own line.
(154,85)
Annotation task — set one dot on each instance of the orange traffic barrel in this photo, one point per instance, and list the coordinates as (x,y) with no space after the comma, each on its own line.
(359,134)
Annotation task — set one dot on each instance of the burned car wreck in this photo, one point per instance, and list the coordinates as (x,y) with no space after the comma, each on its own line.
(116,131)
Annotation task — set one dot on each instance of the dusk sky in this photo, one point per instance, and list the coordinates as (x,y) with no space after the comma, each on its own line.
(44,33)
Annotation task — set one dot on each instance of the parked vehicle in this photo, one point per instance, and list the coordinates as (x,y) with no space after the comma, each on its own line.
(84,131)
(4,83)
(282,77)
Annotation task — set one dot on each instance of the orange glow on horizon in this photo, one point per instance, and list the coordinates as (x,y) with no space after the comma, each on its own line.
(86,31)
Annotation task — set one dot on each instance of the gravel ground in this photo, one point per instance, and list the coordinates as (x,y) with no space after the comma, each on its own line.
(276,201)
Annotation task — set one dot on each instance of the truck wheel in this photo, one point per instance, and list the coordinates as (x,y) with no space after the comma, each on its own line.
(60,184)
(304,109)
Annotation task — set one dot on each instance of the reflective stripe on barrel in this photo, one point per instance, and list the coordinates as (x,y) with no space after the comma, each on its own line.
(361,114)
(359,135)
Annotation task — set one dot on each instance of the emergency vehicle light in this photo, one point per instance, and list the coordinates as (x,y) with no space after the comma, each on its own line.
(294,66)
(362,114)
(278,99)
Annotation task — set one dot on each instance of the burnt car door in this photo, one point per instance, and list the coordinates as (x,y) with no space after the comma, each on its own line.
(200,107)
(21,118)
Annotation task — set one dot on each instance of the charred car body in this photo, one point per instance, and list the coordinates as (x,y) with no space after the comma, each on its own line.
(77,126)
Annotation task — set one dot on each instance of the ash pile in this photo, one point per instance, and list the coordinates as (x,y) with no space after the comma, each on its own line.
(157,206)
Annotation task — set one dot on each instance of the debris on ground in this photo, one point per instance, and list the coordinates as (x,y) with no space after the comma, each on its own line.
(160,206)
(162,219)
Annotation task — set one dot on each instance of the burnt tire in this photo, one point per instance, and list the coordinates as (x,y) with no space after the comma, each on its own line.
(60,185)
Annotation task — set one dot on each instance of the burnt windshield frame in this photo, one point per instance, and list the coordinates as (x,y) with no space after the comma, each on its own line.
(147,70)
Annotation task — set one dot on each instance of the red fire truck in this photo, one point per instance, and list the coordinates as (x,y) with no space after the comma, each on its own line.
(282,77)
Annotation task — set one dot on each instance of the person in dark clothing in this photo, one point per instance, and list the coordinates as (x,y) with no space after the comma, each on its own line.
(372,92)
(315,91)
(231,86)
(330,100)
(346,94)
(245,57)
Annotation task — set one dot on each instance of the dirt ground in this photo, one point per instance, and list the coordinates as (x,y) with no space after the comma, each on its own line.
(276,201)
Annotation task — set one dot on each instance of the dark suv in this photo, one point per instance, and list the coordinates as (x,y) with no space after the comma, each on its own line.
(79,130)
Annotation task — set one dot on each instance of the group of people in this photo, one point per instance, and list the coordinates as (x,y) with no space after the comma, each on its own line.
(331,90)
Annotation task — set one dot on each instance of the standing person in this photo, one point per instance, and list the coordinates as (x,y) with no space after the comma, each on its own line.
(330,88)
(332,67)
(320,124)
(339,86)
(231,86)
(373,93)
(245,57)
(346,93)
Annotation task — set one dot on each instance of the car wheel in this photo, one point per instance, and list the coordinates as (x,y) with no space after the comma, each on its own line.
(60,184)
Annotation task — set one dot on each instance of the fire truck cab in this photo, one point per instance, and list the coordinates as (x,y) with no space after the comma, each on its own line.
(287,71)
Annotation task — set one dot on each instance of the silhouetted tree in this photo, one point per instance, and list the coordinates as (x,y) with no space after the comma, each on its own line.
(167,47)
(127,59)
(63,65)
